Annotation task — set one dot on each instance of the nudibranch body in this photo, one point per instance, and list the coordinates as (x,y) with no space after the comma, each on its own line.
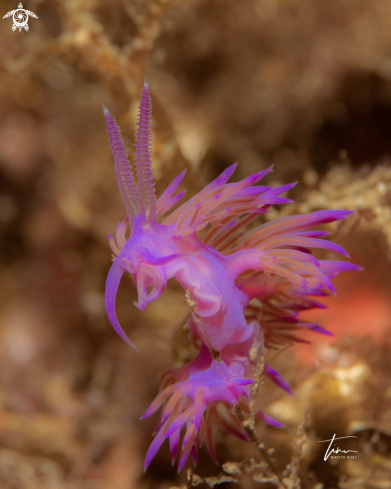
(240,284)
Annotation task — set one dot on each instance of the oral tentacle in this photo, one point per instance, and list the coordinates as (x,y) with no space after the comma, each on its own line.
(112,284)
(149,277)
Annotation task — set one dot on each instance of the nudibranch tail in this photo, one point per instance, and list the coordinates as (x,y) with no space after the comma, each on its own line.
(200,400)
(123,169)
(146,185)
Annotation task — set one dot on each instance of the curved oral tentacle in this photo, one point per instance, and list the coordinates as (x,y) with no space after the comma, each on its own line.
(112,284)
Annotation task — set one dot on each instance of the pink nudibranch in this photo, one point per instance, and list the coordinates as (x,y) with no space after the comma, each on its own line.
(238,283)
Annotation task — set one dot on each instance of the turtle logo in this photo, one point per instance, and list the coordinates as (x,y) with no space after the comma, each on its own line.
(20,17)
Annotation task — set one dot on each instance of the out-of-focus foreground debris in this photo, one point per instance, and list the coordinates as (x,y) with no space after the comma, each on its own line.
(304,85)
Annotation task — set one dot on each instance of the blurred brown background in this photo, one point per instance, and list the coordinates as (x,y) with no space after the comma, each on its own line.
(304,85)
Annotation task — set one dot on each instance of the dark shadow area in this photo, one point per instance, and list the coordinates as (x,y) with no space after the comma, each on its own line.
(358,122)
